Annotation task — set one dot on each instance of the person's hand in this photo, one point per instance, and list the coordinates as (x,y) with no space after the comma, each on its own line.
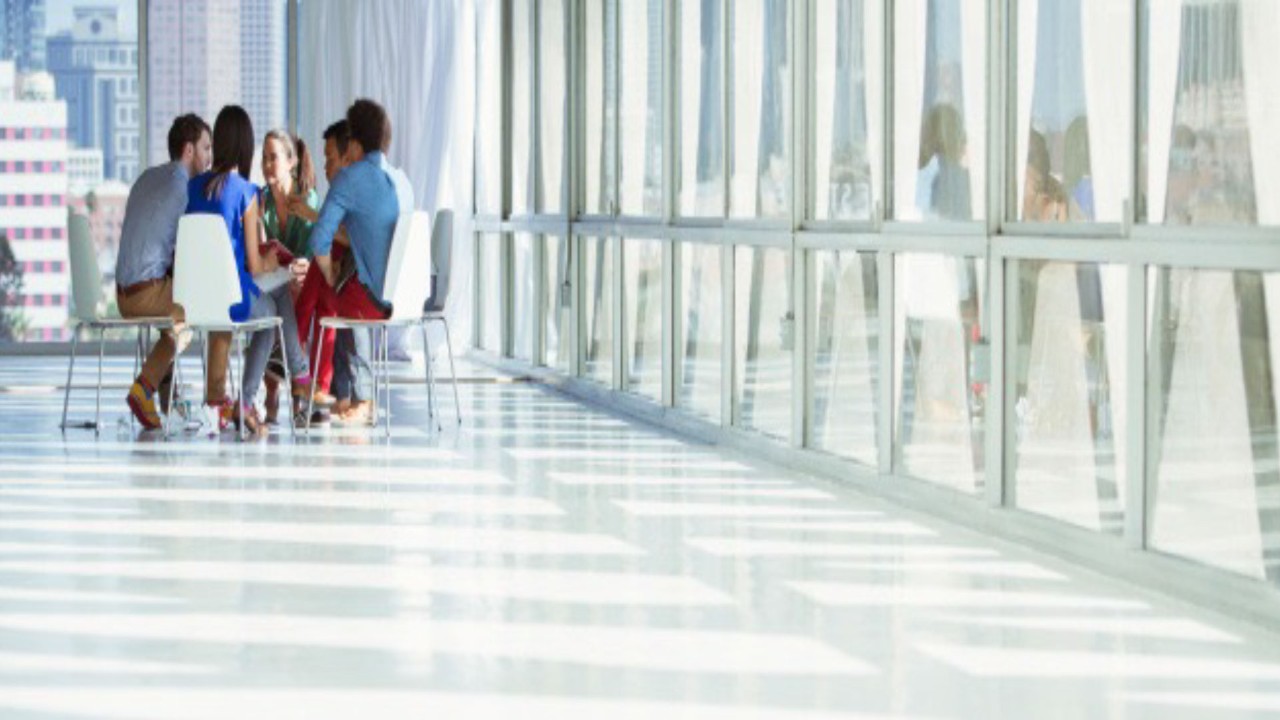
(298,206)
(299,268)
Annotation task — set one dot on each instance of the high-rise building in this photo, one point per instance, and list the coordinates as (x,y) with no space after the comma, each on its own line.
(33,189)
(22,33)
(84,170)
(97,75)
(262,62)
(194,63)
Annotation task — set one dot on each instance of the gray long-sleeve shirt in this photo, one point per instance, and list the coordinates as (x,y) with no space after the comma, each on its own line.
(156,203)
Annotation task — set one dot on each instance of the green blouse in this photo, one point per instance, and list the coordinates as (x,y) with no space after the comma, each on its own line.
(297,231)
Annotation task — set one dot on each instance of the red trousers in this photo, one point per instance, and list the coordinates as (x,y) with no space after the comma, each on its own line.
(318,300)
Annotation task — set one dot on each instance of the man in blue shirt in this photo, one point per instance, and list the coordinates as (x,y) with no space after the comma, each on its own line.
(144,265)
(366,198)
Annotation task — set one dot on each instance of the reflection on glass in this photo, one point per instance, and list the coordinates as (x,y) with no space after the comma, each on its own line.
(701,108)
(848,97)
(523,307)
(640,107)
(940,67)
(597,258)
(601,122)
(702,317)
(555,304)
(491,293)
(1076,56)
(939,369)
(764,338)
(642,267)
(1211,379)
(1069,392)
(488,143)
(1212,156)
(846,336)
(760,163)
(551,106)
(522,127)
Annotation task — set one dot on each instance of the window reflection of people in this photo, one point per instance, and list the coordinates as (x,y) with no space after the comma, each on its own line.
(1043,198)
(942,182)
(1077,175)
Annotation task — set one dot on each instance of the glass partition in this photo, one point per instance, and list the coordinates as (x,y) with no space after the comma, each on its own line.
(845,327)
(642,298)
(764,338)
(702,141)
(701,321)
(598,308)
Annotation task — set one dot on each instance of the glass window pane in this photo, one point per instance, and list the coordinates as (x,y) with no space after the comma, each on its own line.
(489,107)
(598,254)
(642,267)
(940,75)
(701,321)
(1069,392)
(849,95)
(761,155)
(640,111)
(1074,110)
(555,303)
(764,340)
(939,394)
(551,104)
(523,308)
(522,108)
(1212,155)
(846,354)
(1212,363)
(702,108)
(599,101)
(491,293)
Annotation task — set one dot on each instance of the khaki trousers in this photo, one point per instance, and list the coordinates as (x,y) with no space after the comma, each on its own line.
(157,301)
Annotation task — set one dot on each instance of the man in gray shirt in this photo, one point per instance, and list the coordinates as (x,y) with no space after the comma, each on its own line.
(144,266)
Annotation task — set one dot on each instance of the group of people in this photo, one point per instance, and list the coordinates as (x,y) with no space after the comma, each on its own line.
(335,254)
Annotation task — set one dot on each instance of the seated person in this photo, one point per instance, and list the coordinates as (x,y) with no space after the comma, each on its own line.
(312,302)
(367,197)
(226,191)
(144,266)
(291,181)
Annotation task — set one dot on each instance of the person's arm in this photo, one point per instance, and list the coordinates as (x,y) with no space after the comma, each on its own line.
(254,259)
(331,215)
(174,207)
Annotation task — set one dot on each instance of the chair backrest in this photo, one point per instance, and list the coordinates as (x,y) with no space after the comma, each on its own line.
(441,259)
(205,280)
(86,278)
(405,286)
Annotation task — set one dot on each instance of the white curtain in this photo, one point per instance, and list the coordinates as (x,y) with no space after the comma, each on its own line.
(1260,23)
(973,22)
(1107,33)
(1165,33)
(418,60)
(1028,36)
(909,56)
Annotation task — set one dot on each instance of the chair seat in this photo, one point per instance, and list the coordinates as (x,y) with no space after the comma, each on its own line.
(231,326)
(117,322)
(337,323)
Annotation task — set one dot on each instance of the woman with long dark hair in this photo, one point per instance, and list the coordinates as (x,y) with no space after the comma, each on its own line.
(226,191)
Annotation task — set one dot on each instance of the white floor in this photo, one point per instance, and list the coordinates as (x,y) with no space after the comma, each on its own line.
(545,561)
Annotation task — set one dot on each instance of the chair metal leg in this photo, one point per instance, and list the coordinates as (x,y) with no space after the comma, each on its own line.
(173,387)
(288,384)
(448,344)
(373,367)
(71,367)
(97,409)
(386,378)
(315,374)
(240,411)
(429,381)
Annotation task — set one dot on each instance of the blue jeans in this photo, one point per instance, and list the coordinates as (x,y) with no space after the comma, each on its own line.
(351,369)
(277,303)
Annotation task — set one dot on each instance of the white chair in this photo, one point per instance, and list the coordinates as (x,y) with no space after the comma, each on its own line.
(407,288)
(442,264)
(206,284)
(86,292)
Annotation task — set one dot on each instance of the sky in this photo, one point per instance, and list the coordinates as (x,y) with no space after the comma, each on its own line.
(60,14)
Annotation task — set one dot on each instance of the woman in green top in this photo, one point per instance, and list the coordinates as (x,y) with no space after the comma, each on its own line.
(288,200)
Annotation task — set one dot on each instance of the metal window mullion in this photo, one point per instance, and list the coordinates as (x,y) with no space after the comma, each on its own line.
(570,340)
(884,207)
(144,103)
(726,106)
(1140,422)
(1002,108)
(621,364)
(292,90)
(615,199)
(999,436)
(728,334)
(886,412)
(539,308)
(801,356)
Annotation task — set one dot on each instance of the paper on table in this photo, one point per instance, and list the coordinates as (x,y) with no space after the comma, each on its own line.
(269,281)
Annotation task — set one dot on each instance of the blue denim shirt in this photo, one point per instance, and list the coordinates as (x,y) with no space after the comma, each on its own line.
(156,203)
(368,198)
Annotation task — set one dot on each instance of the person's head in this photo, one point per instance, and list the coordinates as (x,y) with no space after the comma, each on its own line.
(942,135)
(336,139)
(190,143)
(286,162)
(1076,162)
(370,128)
(232,147)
